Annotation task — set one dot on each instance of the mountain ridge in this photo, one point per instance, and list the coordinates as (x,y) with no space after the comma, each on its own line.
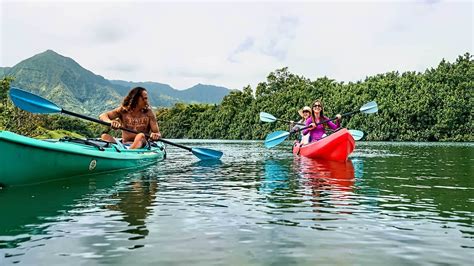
(60,78)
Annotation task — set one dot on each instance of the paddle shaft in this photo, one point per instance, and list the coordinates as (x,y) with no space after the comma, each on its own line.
(325,121)
(296,123)
(125,129)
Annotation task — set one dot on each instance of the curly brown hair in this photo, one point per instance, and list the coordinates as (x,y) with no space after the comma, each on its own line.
(131,100)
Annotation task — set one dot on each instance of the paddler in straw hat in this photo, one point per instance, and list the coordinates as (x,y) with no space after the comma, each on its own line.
(305,113)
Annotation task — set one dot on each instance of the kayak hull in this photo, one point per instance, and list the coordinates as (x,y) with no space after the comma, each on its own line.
(335,147)
(28,161)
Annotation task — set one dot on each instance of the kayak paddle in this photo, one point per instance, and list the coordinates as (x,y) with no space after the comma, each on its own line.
(269,118)
(35,104)
(278,137)
(356,134)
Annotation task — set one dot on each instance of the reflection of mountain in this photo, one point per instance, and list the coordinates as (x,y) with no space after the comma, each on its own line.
(26,210)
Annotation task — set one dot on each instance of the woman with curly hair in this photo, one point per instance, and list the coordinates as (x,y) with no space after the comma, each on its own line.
(136,114)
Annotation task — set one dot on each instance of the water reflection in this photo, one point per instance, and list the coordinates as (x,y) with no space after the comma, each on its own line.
(27,211)
(205,164)
(389,204)
(134,203)
(323,174)
(275,178)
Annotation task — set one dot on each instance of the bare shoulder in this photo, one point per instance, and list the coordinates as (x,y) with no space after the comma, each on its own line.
(149,112)
(115,113)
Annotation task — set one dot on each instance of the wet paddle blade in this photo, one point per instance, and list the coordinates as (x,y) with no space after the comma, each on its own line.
(266,117)
(276,138)
(369,108)
(356,134)
(32,103)
(206,154)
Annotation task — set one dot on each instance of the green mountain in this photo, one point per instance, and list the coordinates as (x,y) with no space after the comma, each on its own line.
(75,88)
(3,70)
(167,96)
(65,82)
(204,93)
(160,94)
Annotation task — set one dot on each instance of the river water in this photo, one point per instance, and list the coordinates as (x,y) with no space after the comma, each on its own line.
(392,203)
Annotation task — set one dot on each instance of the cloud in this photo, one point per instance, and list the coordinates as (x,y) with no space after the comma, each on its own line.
(244,46)
(277,40)
(273,43)
(194,73)
(109,33)
(234,44)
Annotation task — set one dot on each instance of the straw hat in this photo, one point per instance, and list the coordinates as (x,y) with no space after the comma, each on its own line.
(306,108)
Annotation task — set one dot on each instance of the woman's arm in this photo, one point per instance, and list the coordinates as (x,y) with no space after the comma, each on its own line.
(307,123)
(333,125)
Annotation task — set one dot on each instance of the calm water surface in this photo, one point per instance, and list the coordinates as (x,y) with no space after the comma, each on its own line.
(396,203)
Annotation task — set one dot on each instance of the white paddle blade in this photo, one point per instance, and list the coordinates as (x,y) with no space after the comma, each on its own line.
(369,108)
(356,134)
(266,117)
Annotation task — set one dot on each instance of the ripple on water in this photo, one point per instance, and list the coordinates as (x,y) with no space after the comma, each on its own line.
(391,204)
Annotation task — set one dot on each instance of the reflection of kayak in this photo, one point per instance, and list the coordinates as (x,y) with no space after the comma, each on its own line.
(27,160)
(340,174)
(336,147)
(27,211)
(275,178)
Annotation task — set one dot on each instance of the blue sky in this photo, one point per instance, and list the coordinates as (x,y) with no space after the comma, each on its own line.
(234,44)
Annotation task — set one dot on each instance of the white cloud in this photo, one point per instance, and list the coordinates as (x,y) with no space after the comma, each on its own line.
(233,44)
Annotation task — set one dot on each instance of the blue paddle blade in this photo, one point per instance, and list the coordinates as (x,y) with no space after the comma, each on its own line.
(266,117)
(369,108)
(32,103)
(356,134)
(276,138)
(206,154)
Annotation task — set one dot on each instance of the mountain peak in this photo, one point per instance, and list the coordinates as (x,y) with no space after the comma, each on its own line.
(49,51)
(53,56)
(52,75)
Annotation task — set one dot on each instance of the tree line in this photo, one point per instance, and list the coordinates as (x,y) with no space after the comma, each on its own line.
(435,105)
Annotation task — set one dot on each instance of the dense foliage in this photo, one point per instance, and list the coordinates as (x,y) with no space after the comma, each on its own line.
(435,105)
(42,126)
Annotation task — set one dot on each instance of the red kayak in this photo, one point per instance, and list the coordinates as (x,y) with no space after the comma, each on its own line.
(335,147)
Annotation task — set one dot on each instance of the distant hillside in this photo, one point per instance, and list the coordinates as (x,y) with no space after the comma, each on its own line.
(197,94)
(204,93)
(3,70)
(75,88)
(160,94)
(61,79)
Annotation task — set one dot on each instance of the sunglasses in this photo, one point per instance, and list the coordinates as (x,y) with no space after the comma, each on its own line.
(317,105)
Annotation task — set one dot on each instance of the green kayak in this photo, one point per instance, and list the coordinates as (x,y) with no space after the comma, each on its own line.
(27,161)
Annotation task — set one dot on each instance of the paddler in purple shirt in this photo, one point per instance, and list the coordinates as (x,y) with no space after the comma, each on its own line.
(317,116)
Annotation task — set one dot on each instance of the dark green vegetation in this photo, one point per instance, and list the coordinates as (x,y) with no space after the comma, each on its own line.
(75,88)
(436,105)
(432,106)
(43,126)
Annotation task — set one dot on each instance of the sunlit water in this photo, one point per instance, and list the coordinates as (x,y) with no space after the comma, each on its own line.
(392,203)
